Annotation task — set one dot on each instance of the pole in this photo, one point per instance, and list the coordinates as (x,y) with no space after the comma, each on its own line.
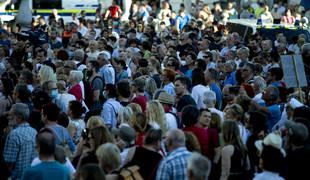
(297,78)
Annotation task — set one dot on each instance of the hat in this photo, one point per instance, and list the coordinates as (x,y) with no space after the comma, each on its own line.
(126,133)
(297,132)
(165,98)
(294,103)
(274,140)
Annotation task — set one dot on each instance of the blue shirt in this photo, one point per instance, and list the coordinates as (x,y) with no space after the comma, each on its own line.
(274,115)
(215,88)
(110,111)
(182,21)
(170,89)
(62,136)
(20,149)
(174,166)
(107,73)
(47,171)
(231,79)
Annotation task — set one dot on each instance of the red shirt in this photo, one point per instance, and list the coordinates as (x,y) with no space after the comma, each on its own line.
(141,100)
(114,11)
(76,90)
(202,136)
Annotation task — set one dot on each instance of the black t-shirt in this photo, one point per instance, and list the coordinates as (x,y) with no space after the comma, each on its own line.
(184,101)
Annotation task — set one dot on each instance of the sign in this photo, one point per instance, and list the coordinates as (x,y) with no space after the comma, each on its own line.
(294,72)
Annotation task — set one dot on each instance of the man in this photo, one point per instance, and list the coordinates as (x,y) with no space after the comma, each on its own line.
(173,166)
(79,56)
(96,83)
(243,56)
(49,168)
(259,85)
(50,87)
(181,20)
(198,167)
(230,45)
(114,11)
(211,75)
(274,77)
(146,156)
(19,149)
(107,71)
(41,57)
(267,45)
(137,89)
(182,86)
(270,96)
(230,71)
(190,115)
(110,107)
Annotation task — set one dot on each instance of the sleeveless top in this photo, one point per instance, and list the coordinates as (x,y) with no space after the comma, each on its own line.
(237,168)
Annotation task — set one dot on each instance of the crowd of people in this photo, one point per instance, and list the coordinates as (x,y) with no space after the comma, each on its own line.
(164,95)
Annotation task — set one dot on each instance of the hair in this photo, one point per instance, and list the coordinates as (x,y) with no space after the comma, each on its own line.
(201,64)
(28,76)
(274,93)
(185,81)
(231,135)
(76,75)
(260,82)
(155,63)
(110,155)
(94,121)
(111,88)
(156,113)
(8,86)
(198,77)
(95,65)
(170,74)
(192,143)
(150,85)
(273,159)
(76,108)
(199,166)
(23,92)
(277,72)
(51,111)
(244,101)
(21,110)
(215,122)
(257,120)
(190,115)
(136,108)
(123,89)
(124,115)
(63,119)
(101,135)
(139,83)
(90,172)
(46,141)
(176,137)
(210,97)
(152,136)
(46,73)
(237,111)
(139,122)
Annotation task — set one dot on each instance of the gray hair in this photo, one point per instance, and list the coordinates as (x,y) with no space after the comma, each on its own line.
(210,97)
(274,92)
(199,166)
(177,137)
(79,54)
(306,48)
(77,76)
(124,115)
(21,110)
(260,83)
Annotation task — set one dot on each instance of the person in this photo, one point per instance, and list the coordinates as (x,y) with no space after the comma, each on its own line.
(137,88)
(50,113)
(110,107)
(109,157)
(63,98)
(90,171)
(174,165)
(96,84)
(181,20)
(49,168)
(190,116)
(107,71)
(19,149)
(271,157)
(182,86)
(199,87)
(155,115)
(167,78)
(234,154)
(147,157)
(114,11)
(211,76)
(75,87)
(167,102)
(123,89)
(198,167)
(77,124)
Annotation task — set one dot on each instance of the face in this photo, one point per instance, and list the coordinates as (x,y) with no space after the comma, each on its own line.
(40,57)
(229,114)
(227,96)
(205,118)
(246,72)
(51,87)
(179,88)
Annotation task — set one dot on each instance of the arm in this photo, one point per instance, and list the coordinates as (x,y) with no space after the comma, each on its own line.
(10,152)
(227,152)
(107,14)
(177,23)
(163,172)
(256,106)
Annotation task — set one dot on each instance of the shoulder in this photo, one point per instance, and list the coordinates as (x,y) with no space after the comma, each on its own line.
(228,150)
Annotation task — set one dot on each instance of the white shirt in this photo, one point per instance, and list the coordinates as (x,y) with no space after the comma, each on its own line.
(83,30)
(268,175)
(171,121)
(198,92)
(62,101)
(259,98)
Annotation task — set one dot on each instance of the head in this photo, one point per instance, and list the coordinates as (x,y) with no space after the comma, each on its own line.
(21,93)
(156,113)
(175,138)
(234,112)
(123,89)
(18,114)
(198,77)
(271,95)
(259,84)
(50,87)
(198,167)
(124,115)
(168,75)
(182,85)
(274,74)
(247,71)
(138,85)
(94,121)
(50,113)
(109,157)
(45,143)
(204,117)
(209,99)
(190,115)
(75,109)
(153,138)
(211,75)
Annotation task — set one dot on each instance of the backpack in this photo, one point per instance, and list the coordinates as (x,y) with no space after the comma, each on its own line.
(130,173)
(179,121)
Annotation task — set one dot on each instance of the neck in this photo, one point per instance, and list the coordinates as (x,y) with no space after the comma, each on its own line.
(46,158)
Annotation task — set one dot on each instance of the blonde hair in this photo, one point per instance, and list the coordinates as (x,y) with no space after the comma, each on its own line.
(76,76)
(46,73)
(156,113)
(124,115)
(110,155)
(136,108)
(94,121)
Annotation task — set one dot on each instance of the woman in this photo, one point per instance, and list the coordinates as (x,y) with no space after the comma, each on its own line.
(235,112)
(167,78)
(139,124)
(75,88)
(6,89)
(96,137)
(234,154)
(288,18)
(150,87)
(155,115)
(199,87)
(154,69)
(77,124)
(121,70)
(124,116)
